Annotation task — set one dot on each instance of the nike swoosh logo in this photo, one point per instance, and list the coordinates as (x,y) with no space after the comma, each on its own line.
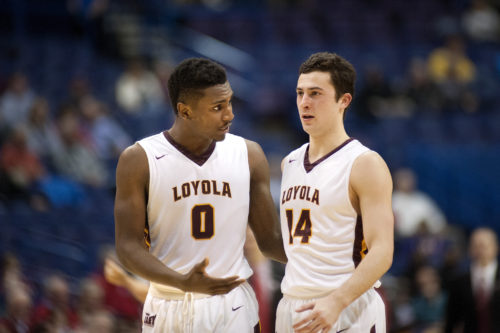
(345,329)
(158,157)
(290,161)
(236,308)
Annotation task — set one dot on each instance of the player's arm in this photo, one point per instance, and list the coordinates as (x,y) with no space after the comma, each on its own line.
(132,179)
(371,192)
(263,217)
(371,186)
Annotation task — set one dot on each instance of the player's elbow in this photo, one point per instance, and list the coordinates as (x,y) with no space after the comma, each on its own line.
(383,254)
(273,250)
(124,252)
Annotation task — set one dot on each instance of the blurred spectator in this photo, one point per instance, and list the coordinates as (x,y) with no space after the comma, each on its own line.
(76,159)
(87,19)
(16,101)
(123,293)
(402,317)
(454,72)
(162,69)
(20,170)
(79,88)
(41,131)
(108,137)
(261,281)
(91,309)
(374,94)
(414,211)
(11,272)
(99,322)
(450,62)
(12,278)
(481,22)
(421,89)
(138,90)
(474,297)
(429,304)
(90,299)
(378,99)
(54,312)
(18,312)
(116,275)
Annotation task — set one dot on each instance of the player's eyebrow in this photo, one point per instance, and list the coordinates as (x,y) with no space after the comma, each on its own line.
(223,100)
(309,88)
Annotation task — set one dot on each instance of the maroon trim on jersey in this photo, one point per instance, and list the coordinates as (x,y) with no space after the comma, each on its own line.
(198,159)
(358,242)
(372,330)
(309,166)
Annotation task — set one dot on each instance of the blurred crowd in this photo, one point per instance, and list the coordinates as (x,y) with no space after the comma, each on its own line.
(91,304)
(50,154)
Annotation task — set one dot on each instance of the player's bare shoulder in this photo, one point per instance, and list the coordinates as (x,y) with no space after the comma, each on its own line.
(133,164)
(256,157)
(370,171)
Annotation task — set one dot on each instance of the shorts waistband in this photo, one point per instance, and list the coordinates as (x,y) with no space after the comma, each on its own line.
(171,293)
(313,297)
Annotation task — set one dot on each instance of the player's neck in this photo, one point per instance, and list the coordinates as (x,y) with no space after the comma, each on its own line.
(194,144)
(320,145)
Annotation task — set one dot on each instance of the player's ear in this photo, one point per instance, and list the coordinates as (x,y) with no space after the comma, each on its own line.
(184,111)
(346,100)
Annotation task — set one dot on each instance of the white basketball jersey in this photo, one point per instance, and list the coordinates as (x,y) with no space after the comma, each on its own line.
(198,209)
(322,233)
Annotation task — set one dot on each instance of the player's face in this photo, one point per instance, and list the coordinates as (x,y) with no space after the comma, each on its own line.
(318,107)
(213,113)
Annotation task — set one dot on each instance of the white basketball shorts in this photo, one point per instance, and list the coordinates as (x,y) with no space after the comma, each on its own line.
(365,315)
(236,311)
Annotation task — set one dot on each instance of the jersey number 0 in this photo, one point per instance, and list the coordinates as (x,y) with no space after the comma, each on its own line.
(303,228)
(202,221)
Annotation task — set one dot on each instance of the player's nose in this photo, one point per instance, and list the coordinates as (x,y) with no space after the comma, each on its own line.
(304,101)
(228,114)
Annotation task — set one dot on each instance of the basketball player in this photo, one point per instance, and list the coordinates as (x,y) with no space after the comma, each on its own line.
(336,216)
(192,190)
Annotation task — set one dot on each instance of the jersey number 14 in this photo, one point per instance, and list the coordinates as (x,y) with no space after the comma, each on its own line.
(302,229)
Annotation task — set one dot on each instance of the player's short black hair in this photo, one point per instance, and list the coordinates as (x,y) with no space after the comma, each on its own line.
(191,76)
(342,72)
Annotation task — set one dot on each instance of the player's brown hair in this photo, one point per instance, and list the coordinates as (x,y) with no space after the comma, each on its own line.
(342,72)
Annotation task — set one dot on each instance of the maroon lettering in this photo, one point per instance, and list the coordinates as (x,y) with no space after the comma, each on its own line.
(315,197)
(302,194)
(289,220)
(176,196)
(215,187)
(195,186)
(186,190)
(226,190)
(205,187)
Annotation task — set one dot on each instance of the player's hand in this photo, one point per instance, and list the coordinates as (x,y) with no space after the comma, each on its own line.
(114,273)
(197,280)
(323,315)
